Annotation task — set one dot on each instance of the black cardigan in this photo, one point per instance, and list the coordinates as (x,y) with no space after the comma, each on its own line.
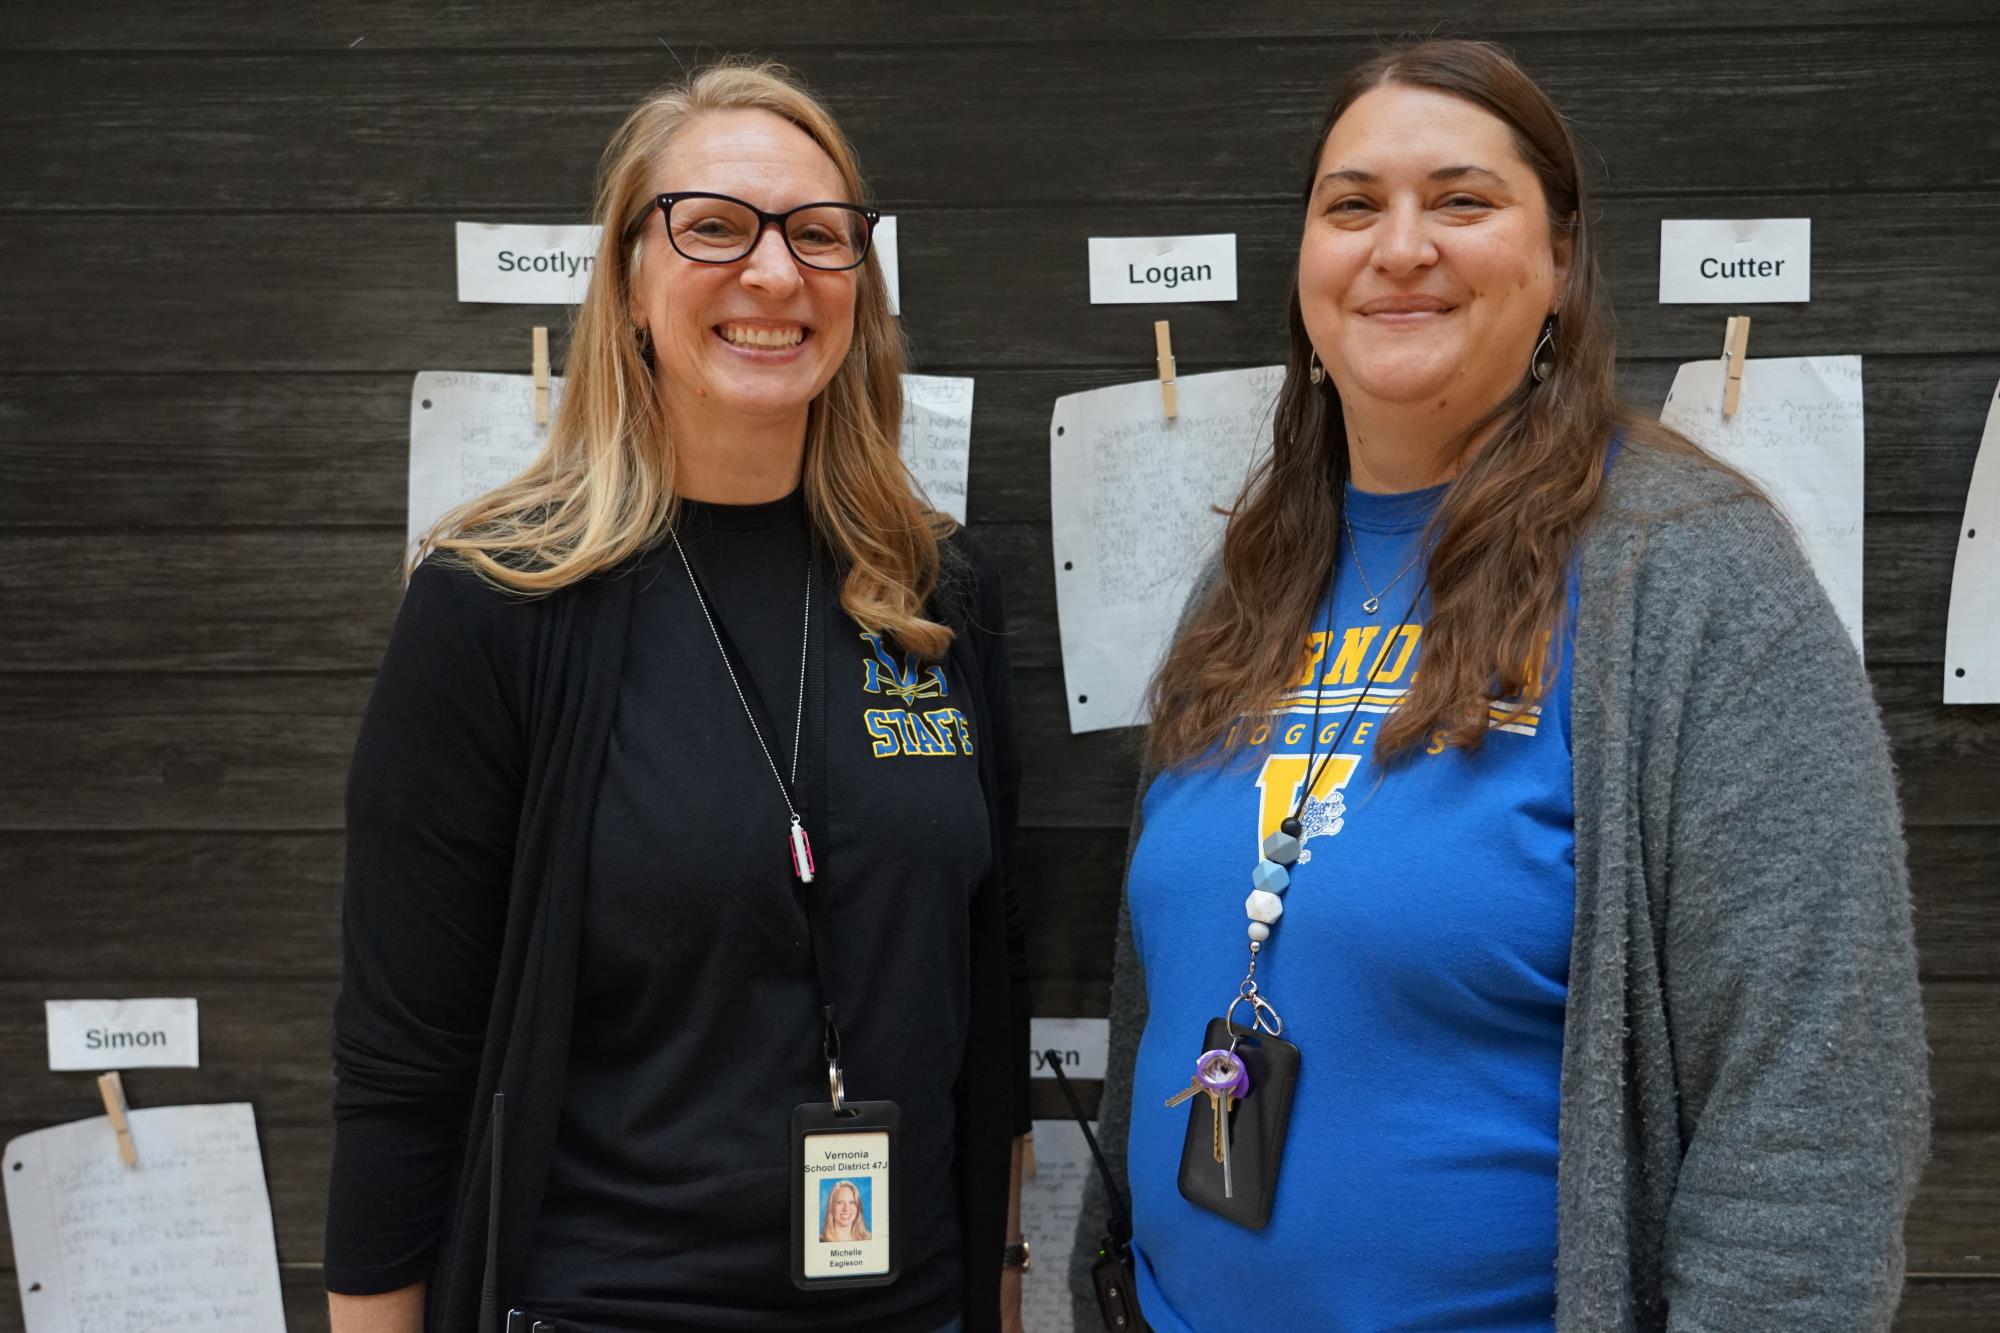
(469,810)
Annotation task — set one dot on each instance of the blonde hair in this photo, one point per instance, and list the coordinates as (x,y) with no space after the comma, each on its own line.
(859,1231)
(602,489)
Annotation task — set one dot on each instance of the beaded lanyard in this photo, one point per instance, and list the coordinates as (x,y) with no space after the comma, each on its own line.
(1272,875)
(1222,1073)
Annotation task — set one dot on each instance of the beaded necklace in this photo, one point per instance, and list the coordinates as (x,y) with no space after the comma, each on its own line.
(1272,874)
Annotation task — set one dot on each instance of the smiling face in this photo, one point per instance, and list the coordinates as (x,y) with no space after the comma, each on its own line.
(846,1205)
(748,344)
(1427,266)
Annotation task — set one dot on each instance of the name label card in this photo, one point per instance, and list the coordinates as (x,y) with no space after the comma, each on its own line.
(1156,270)
(1085,1044)
(1735,261)
(123,1034)
(884,244)
(504,264)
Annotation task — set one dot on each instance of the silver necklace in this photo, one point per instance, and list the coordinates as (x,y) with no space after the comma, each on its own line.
(802,858)
(1374,602)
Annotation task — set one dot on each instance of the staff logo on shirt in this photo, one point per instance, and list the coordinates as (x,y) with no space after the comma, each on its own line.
(931,733)
(909,681)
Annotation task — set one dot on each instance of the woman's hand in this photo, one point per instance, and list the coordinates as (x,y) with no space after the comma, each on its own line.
(391,1312)
(1010,1301)
(1010,1278)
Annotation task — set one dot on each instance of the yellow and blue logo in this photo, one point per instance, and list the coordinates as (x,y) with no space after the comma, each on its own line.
(933,733)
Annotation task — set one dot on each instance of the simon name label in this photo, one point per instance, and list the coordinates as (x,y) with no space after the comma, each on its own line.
(124,1034)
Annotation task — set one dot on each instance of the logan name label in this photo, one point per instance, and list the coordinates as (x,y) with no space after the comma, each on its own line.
(1735,261)
(1155,270)
(124,1034)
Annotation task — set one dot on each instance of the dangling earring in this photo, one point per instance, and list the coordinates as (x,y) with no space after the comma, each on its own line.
(1543,363)
(1316,372)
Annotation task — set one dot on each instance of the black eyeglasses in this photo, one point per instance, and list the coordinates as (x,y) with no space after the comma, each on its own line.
(716,229)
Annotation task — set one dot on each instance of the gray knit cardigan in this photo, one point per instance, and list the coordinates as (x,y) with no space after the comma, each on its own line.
(1744,1106)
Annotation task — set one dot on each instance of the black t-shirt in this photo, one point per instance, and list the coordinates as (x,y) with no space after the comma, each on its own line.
(697,1025)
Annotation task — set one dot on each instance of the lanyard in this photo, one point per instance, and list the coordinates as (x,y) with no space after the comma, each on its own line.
(809,733)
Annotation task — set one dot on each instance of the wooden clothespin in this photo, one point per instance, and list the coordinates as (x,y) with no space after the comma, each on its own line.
(1163,349)
(541,375)
(112,1089)
(1030,1168)
(1735,348)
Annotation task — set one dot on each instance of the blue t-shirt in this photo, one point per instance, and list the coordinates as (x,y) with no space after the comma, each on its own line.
(1421,966)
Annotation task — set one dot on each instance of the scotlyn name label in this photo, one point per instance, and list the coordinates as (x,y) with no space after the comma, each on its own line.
(1156,270)
(504,264)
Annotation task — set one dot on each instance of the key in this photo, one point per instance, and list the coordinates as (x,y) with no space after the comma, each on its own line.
(1194,1085)
(1226,1080)
(1221,1109)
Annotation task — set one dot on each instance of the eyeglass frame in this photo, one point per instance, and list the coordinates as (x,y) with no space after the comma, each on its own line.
(665,203)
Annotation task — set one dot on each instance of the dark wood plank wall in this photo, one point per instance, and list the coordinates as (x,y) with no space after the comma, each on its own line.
(225,234)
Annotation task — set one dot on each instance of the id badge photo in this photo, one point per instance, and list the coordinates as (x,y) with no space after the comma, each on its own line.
(844,1196)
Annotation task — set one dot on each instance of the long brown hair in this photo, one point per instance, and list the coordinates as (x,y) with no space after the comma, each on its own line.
(602,488)
(1508,525)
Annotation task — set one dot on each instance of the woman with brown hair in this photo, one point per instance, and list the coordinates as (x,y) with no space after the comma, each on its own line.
(1522,757)
(680,810)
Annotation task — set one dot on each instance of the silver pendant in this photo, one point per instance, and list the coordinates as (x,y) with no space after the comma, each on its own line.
(1372,605)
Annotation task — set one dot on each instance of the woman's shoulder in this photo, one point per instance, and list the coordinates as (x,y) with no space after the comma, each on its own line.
(1683,507)
(1662,481)
(1691,539)
(449,603)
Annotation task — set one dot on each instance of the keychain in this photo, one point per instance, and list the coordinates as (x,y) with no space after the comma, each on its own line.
(1226,1080)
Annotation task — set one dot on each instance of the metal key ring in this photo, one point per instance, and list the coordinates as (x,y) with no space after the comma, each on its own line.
(835,1084)
(1263,1017)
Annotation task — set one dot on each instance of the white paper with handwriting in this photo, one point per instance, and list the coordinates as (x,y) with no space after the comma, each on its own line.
(470,431)
(183,1241)
(1798,431)
(1132,499)
(937,437)
(1050,1204)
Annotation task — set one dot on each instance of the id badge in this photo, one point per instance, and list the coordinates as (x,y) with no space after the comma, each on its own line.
(1256,1127)
(844,1195)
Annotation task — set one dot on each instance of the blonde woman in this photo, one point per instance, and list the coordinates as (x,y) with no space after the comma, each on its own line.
(682,799)
(842,1219)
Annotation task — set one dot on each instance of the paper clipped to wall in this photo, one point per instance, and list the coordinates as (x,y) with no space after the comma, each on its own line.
(1050,1204)
(1972,629)
(1132,500)
(937,437)
(182,1241)
(471,431)
(1798,432)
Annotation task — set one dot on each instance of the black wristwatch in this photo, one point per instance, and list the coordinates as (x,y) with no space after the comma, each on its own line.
(1017,1256)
